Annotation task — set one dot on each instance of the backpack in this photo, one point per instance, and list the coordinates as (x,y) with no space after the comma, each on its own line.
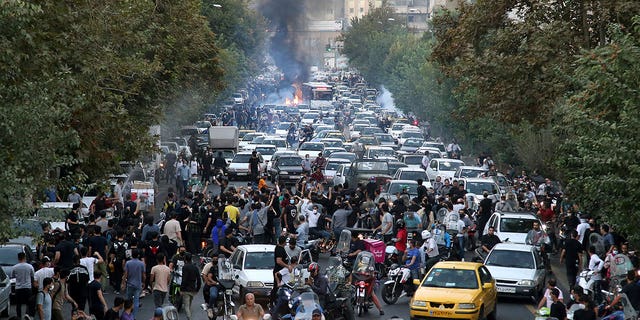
(169,206)
(121,248)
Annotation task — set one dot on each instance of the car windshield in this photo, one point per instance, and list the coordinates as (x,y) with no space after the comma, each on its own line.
(332,165)
(279,143)
(289,161)
(413,160)
(9,255)
(412,143)
(341,155)
(284,125)
(413,175)
(412,134)
(266,150)
(471,173)
(372,166)
(249,136)
(412,188)
(449,166)
(371,130)
(368,141)
(397,127)
(480,187)
(257,140)
(451,278)
(516,225)
(310,116)
(384,138)
(336,143)
(259,260)
(510,259)
(241,158)
(312,146)
(374,153)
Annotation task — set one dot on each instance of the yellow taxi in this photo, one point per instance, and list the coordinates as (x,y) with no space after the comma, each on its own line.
(455,290)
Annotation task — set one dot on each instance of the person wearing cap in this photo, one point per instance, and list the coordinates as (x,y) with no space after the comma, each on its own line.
(316,314)
(158,314)
(45,271)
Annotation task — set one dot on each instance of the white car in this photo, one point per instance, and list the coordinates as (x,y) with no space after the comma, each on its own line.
(332,167)
(341,174)
(252,267)
(409,134)
(513,226)
(396,129)
(244,143)
(413,161)
(518,269)
(469,172)
(412,174)
(433,152)
(266,151)
(280,143)
(477,186)
(376,152)
(239,166)
(443,167)
(394,187)
(311,148)
(309,118)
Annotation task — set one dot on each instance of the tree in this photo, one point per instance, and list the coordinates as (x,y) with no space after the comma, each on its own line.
(82,82)
(598,125)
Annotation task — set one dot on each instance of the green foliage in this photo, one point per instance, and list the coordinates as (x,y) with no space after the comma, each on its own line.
(598,125)
(82,81)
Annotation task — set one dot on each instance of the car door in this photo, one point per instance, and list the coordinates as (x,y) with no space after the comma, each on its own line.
(5,290)
(490,223)
(432,170)
(541,272)
(488,297)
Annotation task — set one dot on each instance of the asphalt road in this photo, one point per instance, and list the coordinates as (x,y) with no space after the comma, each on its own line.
(508,308)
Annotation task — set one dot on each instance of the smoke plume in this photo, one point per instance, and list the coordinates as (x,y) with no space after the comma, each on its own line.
(286,17)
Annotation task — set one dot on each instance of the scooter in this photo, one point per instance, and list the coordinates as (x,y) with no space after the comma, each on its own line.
(397,283)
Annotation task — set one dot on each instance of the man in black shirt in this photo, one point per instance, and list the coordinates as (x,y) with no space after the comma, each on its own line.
(484,212)
(191,283)
(254,163)
(558,309)
(228,244)
(355,247)
(290,214)
(571,251)
(280,259)
(489,240)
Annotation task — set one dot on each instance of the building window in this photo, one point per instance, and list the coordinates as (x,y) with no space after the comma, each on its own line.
(361,10)
(351,10)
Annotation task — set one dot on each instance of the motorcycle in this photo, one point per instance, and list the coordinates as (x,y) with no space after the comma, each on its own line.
(363,271)
(175,297)
(588,287)
(226,281)
(287,294)
(397,283)
(303,305)
(338,304)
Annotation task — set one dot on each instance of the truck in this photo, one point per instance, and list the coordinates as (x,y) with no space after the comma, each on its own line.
(224,138)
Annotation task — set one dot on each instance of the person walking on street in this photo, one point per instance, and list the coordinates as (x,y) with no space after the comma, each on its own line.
(133,279)
(572,254)
(60,293)
(97,305)
(77,283)
(160,276)
(43,300)
(191,283)
(23,273)
(114,312)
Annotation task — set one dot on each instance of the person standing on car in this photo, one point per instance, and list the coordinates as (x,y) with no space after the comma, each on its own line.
(24,274)
(254,167)
(191,283)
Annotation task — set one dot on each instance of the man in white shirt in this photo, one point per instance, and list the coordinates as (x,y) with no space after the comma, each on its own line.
(429,250)
(595,265)
(287,275)
(46,271)
(425,160)
(172,229)
(582,229)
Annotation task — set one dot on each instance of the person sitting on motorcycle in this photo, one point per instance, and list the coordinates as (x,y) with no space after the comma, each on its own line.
(318,283)
(356,246)
(489,240)
(538,237)
(401,237)
(429,251)
(250,310)
(370,279)
(412,262)
(632,290)
(319,162)
(211,286)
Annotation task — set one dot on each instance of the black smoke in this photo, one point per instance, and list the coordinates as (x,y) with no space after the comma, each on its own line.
(286,18)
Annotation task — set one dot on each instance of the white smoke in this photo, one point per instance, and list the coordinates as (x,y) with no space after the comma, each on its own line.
(385,100)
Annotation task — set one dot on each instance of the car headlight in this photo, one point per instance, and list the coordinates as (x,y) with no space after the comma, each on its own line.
(466,306)
(527,283)
(255,284)
(228,292)
(419,303)
(284,172)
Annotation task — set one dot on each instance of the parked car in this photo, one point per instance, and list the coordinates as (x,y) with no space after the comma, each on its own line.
(386,140)
(411,145)
(331,168)
(377,152)
(412,174)
(310,148)
(393,187)
(286,169)
(469,172)
(253,270)
(455,290)
(414,161)
(513,226)
(239,166)
(341,174)
(443,167)
(519,270)
(9,258)
(362,171)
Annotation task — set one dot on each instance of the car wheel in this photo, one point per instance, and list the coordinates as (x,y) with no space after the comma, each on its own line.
(494,313)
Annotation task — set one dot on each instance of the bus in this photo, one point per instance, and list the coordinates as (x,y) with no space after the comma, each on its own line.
(317,91)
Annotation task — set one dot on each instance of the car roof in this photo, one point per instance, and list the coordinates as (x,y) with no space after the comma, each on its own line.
(264,146)
(380,148)
(258,247)
(463,265)
(411,169)
(474,168)
(447,160)
(403,182)
(57,205)
(478,180)
(341,160)
(244,152)
(508,246)
(517,215)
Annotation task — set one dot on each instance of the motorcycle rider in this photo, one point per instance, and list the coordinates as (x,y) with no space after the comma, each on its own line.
(401,237)
(538,238)
(632,290)
(318,283)
(412,261)
(429,251)
(595,265)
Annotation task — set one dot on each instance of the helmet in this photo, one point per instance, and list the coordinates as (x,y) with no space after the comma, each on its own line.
(313,267)
(400,223)
(426,234)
